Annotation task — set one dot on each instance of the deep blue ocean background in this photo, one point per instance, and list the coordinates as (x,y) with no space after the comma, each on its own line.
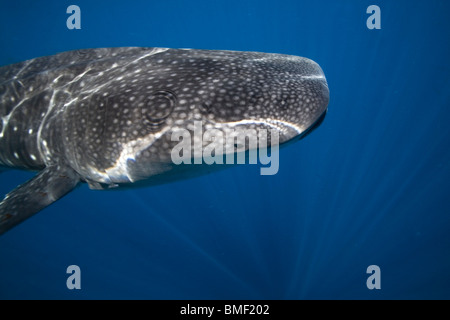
(370,186)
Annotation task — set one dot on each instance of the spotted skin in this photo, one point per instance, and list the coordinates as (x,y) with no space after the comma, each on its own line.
(105,116)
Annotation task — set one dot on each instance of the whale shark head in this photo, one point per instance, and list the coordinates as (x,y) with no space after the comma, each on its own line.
(170,90)
(116,116)
(261,90)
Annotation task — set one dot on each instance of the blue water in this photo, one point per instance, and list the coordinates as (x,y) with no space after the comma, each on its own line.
(369,187)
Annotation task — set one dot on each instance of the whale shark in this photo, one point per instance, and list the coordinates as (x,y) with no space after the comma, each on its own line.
(105,116)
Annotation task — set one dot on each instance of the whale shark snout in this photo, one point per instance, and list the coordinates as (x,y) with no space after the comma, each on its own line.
(284,92)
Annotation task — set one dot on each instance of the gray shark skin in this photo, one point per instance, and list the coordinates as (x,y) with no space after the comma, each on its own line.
(105,116)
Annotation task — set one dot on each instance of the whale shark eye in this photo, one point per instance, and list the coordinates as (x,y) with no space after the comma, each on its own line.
(157,107)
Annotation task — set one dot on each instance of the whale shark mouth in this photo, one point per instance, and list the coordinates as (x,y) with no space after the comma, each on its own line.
(287,130)
(119,172)
(316,124)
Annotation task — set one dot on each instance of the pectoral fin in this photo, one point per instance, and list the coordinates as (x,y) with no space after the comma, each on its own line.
(49,185)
